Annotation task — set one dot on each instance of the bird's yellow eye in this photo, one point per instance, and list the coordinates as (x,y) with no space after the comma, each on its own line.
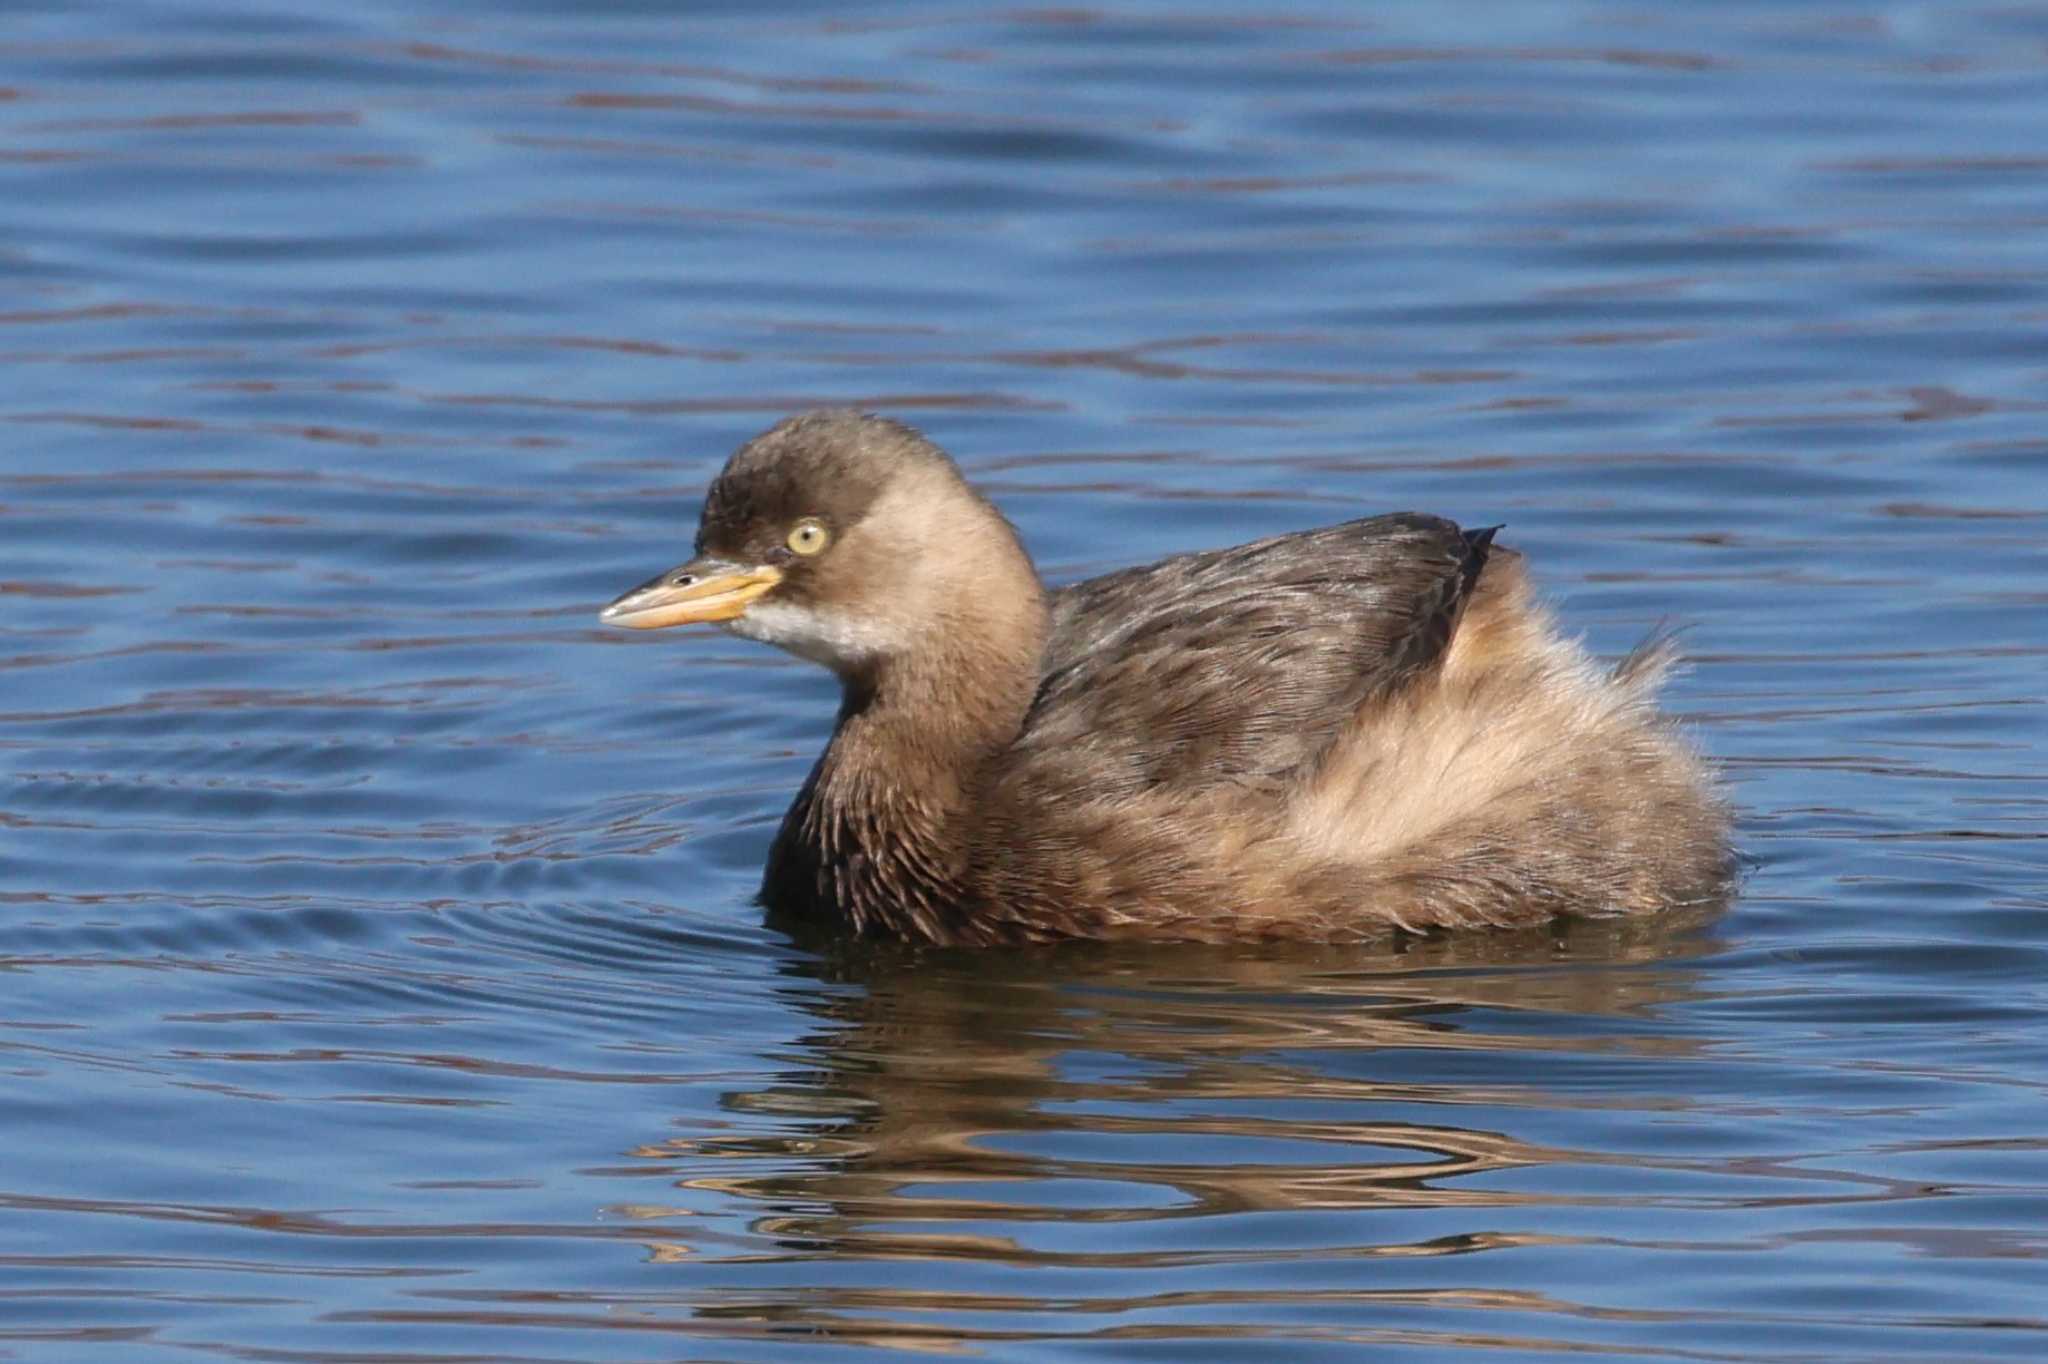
(808,537)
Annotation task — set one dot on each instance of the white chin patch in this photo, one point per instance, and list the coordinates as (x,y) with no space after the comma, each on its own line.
(834,641)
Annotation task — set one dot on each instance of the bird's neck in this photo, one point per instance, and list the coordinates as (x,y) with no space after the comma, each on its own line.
(881,832)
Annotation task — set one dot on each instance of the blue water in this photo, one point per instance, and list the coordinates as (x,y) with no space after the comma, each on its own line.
(378,974)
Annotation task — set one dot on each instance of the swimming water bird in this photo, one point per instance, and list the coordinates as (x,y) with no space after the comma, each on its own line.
(1333,734)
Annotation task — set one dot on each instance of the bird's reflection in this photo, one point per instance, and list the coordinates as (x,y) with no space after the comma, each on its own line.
(1081,1107)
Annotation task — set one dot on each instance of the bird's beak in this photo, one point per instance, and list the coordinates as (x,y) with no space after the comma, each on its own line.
(704,589)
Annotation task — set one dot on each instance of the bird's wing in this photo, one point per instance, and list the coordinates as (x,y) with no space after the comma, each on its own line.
(1241,665)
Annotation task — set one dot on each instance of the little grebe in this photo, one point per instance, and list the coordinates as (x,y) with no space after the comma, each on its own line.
(1331,734)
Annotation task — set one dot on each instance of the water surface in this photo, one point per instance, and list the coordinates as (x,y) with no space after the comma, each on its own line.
(378,974)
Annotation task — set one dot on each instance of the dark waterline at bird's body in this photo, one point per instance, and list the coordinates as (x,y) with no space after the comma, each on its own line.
(1333,734)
